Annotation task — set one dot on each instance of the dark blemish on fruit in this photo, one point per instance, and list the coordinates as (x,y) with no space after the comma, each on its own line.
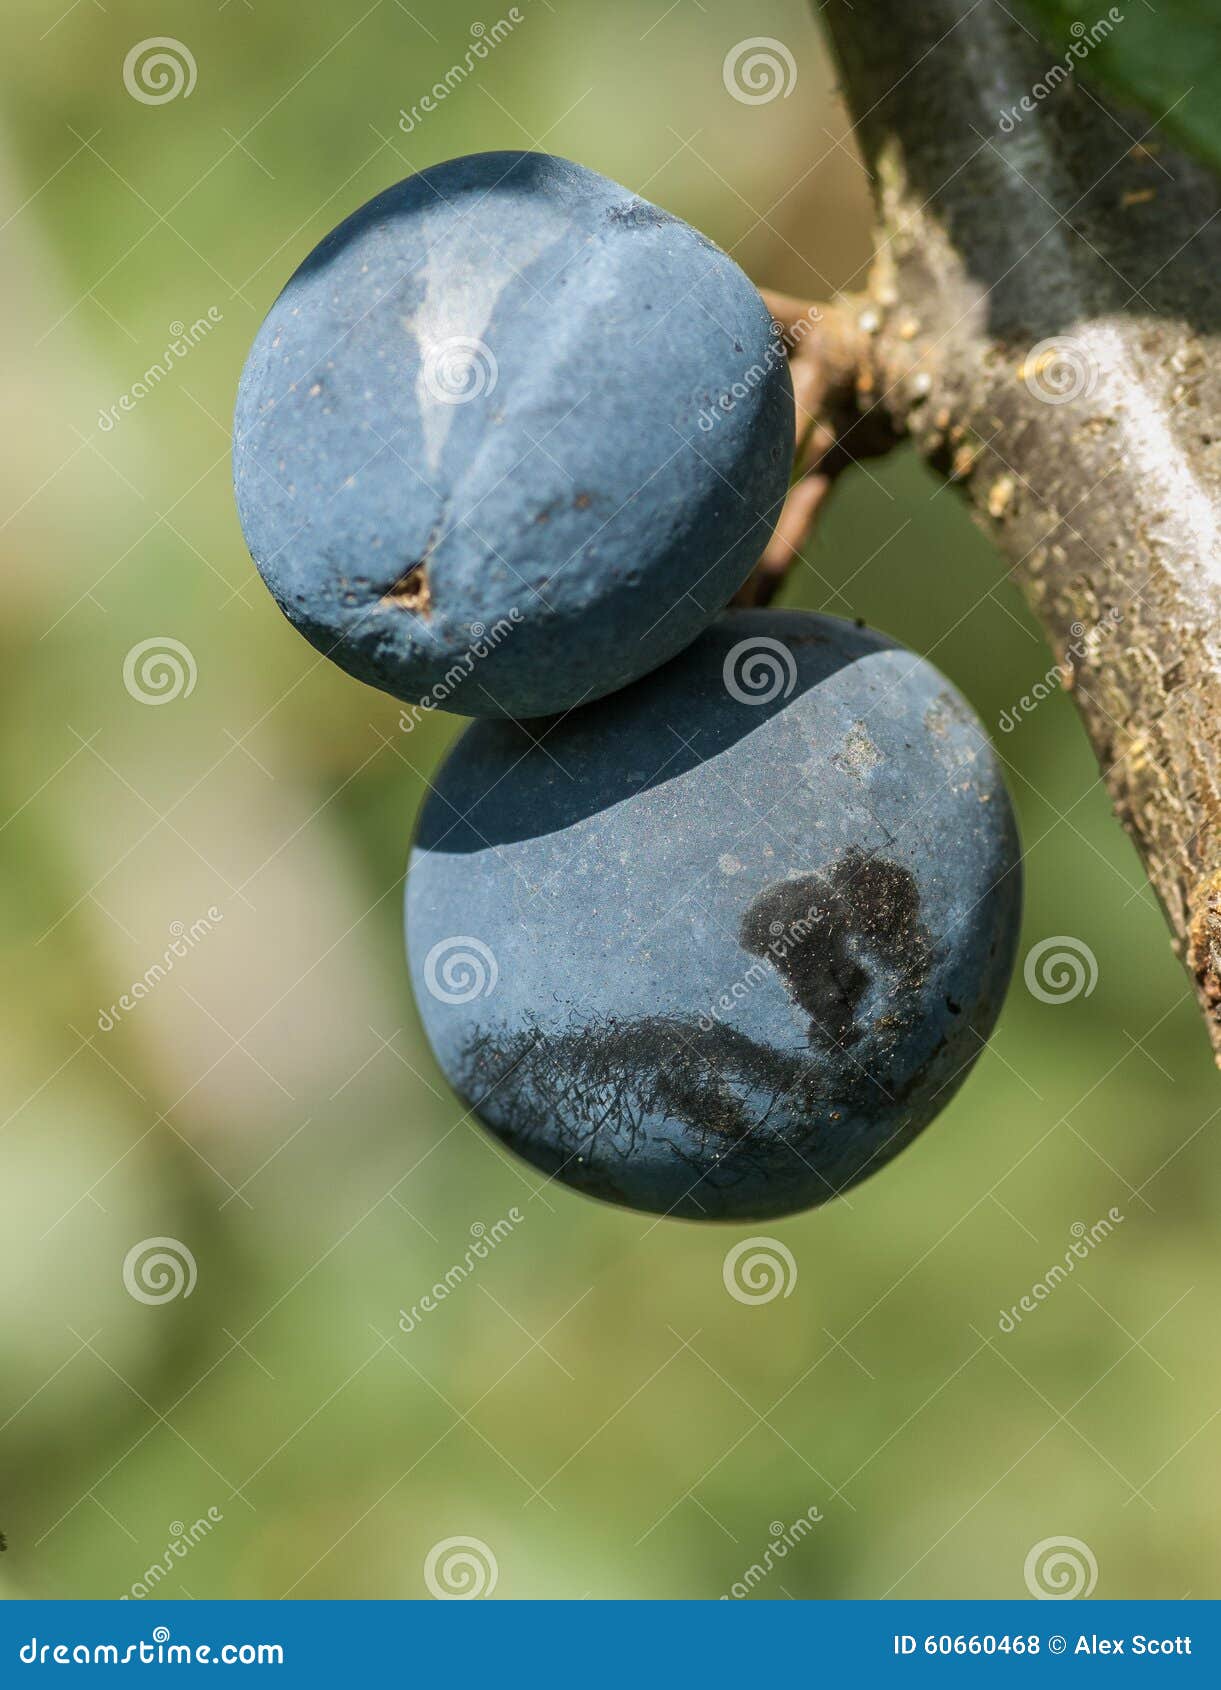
(827,935)
(608,1078)
(582,501)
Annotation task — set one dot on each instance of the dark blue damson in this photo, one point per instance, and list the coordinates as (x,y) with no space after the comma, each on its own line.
(721,944)
(509,408)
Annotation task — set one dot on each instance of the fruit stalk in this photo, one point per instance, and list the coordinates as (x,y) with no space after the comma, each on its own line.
(827,351)
(1045,327)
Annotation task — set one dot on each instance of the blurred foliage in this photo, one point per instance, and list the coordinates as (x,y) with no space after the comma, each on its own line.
(592,1405)
(1166,58)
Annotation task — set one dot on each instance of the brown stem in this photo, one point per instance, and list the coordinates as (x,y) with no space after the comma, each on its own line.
(1048,331)
(828,360)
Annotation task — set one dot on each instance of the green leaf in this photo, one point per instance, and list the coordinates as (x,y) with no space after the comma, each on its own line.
(1164,55)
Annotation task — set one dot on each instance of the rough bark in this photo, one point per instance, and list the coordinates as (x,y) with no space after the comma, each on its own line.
(1043,322)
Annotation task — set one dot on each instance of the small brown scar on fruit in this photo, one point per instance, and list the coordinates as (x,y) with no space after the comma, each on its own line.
(582,501)
(1138,196)
(411,591)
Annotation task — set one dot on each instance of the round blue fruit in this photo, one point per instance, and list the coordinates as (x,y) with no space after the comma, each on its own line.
(511,437)
(721,944)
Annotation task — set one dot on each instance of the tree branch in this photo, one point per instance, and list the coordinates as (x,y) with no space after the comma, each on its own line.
(1043,322)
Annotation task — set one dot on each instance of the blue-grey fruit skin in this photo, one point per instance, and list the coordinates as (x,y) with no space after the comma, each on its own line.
(723,943)
(511,437)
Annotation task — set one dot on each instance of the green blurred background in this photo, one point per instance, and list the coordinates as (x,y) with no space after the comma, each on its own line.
(592,1405)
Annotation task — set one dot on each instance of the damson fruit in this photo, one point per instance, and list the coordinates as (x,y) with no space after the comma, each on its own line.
(511,437)
(723,943)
